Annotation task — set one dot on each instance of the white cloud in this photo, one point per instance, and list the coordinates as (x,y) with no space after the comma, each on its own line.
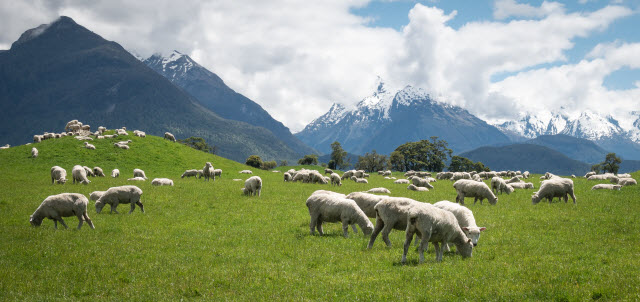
(504,9)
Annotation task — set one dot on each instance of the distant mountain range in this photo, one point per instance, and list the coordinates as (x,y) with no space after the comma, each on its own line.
(62,71)
(575,148)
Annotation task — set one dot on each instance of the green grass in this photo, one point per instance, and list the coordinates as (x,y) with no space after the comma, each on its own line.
(206,241)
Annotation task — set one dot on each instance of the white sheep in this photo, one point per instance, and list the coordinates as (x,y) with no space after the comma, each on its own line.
(460,175)
(379,190)
(89,146)
(34,152)
(137,178)
(102,129)
(95,195)
(335,208)
(472,188)
(391,213)
(348,174)
(359,174)
(556,187)
(125,147)
(37,138)
(115,173)
(421,182)
(401,181)
(139,173)
(89,171)
(606,176)
(218,172)
(437,226)
(525,174)
(190,173)
(97,171)
(606,187)
(335,179)
(79,174)
(169,136)
(522,185)
(162,182)
(117,195)
(465,218)
(589,174)
(514,179)
(627,182)
(246,172)
(55,207)
(252,186)
(413,187)
(362,181)
(624,175)
(328,171)
(207,171)
(366,202)
(286,176)
(58,175)
(499,185)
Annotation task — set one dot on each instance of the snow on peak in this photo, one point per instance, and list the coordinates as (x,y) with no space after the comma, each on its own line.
(593,126)
(409,95)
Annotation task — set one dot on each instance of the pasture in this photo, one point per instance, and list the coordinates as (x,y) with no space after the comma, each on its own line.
(206,241)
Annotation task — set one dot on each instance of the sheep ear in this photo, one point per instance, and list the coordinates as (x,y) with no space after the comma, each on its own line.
(465,228)
(483,229)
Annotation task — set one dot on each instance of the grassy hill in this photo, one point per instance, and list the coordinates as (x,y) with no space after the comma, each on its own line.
(205,241)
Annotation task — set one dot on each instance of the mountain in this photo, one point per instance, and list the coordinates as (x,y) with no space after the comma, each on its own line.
(216,96)
(527,157)
(62,71)
(573,147)
(628,166)
(352,158)
(389,118)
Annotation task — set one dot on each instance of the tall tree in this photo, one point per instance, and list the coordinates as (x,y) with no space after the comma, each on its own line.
(463,164)
(425,155)
(611,163)
(338,157)
(396,160)
(372,162)
(309,159)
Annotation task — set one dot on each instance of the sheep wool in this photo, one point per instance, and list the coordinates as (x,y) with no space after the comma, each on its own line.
(253,186)
(55,207)
(162,182)
(335,208)
(79,175)
(477,190)
(58,175)
(117,195)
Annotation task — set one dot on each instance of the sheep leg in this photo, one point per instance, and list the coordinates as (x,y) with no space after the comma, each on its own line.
(407,242)
(55,224)
(319,226)
(385,234)
(312,224)
(355,230)
(139,203)
(573,196)
(345,228)
(133,207)
(445,247)
(376,231)
(62,222)
(114,205)
(86,217)
(424,245)
(438,251)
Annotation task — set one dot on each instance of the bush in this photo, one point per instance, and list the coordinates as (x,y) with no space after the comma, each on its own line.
(254,161)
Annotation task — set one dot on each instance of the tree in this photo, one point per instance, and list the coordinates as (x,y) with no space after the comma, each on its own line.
(396,161)
(338,157)
(596,168)
(268,165)
(425,155)
(198,143)
(463,164)
(254,161)
(611,163)
(372,162)
(309,159)
(284,163)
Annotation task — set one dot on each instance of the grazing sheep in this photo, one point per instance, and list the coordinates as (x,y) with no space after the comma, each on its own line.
(122,131)
(200,173)
(525,174)
(79,175)
(246,172)
(606,187)
(95,195)
(37,138)
(359,173)
(421,182)
(55,207)
(557,187)
(465,218)
(162,182)
(335,179)
(413,187)
(89,146)
(328,171)
(362,181)
(102,129)
(522,185)
(253,186)
(218,172)
(499,185)
(34,152)
(472,188)
(460,175)
(287,176)
(97,171)
(137,178)
(125,147)
(386,173)
(514,179)
(335,208)
(139,173)
(169,136)
(401,181)
(437,226)
(207,171)
(348,174)
(58,175)
(190,173)
(391,213)
(115,173)
(366,202)
(589,174)
(117,195)
(89,171)
(627,182)
(624,175)
(139,133)
(379,190)
(354,178)
(606,176)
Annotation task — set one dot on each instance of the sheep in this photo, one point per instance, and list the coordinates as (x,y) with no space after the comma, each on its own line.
(348,174)
(413,187)
(476,177)
(334,208)
(200,173)
(465,218)
(102,129)
(218,172)
(420,182)
(117,195)
(58,175)
(34,152)
(627,182)
(460,175)
(253,186)
(162,182)
(401,181)
(55,207)
(137,178)
(514,179)
(606,187)
(139,133)
(139,173)
(435,225)
(79,175)
(589,174)
(122,131)
(354,178)
(287,176)
(169,136)
(379,190)
(115,173)
(335,179)
(100,137)
(97,171)
(362,181)
(525,174)
(386,173)
(189,173)
(471,188)
(625,175)
(391,213)
(557,187)
(124,142)
(125,147)
(359,173)
(89,171)
(328,171)
(246,172)
(366,202)
(423,174)
(95,195)
(499,185)
(37,138)
(300,176)
(89,146)
(606,176)
(522,185)
(207,171)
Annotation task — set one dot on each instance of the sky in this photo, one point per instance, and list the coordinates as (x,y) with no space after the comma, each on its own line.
(497,58)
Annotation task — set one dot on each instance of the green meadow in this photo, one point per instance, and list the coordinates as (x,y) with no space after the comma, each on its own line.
(206,241)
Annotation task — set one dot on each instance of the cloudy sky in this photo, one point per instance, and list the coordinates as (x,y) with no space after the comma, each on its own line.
(296,57)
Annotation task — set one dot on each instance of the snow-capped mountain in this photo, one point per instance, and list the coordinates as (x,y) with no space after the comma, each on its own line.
(173,67)
(388,118)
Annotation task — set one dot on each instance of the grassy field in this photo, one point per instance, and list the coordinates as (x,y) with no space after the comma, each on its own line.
(206,241)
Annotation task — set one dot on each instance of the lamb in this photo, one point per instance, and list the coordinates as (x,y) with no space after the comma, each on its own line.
(139,173)
(115,173)
(465,218)
(246,172)
(401,181)
(136,179)
(589,174)
(89,146)
(499,185)
(287,176)
(55,207)
(253,186)
(522,185)
(190,173)
(97,171)
(421,182)
(366,202)
(627,182)
(335,179)
(117,195)
(34,152)
(169,136)
(557,187)
(328,171)
(525,174)
(606,187)
(95,195)
(207,171)
(125,147)
(89,171)
(58,175)
(391,213)
(79,175)
(334,208)
(438,226)
(514,179)
(379,190)
(218,172)
(162,182)
(413,187)
(471,188)
(362,181)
